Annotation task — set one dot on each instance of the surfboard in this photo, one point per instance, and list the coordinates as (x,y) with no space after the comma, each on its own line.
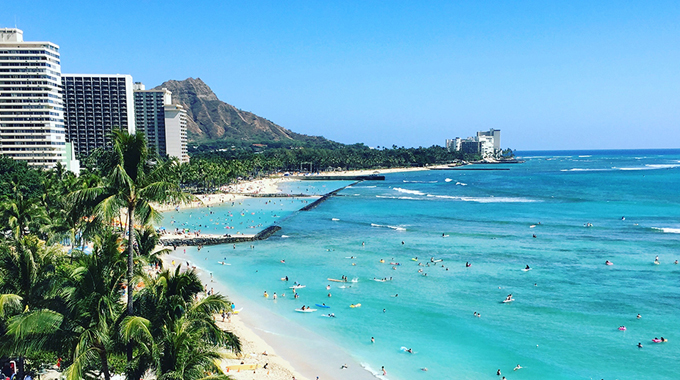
(323,306)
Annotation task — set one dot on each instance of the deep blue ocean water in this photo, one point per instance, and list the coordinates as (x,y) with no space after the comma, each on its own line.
(564,321)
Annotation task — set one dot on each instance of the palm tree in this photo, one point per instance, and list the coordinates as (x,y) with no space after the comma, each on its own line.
(28,274)
(184,334)
(93,293)
(131,185)
(21,213)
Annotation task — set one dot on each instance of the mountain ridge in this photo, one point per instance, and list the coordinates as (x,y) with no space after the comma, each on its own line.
(211,119)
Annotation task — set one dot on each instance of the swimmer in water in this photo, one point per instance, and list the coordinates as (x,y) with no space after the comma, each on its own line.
(639,345)
(518,367)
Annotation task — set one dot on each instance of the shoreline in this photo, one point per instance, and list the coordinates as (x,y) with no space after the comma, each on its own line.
(256,327)
(265,187)
(288,345)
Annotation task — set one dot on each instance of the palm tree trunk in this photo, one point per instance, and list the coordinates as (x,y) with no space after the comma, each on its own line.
(130,272)
(105,365)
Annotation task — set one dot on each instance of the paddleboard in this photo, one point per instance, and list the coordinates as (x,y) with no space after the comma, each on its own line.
(305,310)
(323,306)
(526,270)
(510,300)
(336,280)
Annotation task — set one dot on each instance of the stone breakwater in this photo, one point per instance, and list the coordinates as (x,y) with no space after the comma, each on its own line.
(325,197)
(170,240)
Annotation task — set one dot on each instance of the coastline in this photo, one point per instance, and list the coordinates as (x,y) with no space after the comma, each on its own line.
(268,338)
(265,186)
(292,351)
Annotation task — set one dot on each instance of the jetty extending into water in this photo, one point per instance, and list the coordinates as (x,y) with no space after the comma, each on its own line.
(371,177)
(325,197)
(177,241)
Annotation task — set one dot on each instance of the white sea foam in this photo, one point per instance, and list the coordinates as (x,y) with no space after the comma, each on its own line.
(407,191)
(584,156)
(486,199)
(391,197)
(461,184)
(387,226)
(285,236)
(448,180)
(667,230)
(376,374)
(405,181)
(651,167)
(335,219)
(584,170)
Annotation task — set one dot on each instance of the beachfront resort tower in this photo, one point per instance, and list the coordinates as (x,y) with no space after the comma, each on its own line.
(164,123)
(95,105)
(486,143)
(31,108)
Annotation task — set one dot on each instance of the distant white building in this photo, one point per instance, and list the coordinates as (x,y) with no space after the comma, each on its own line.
(487,144)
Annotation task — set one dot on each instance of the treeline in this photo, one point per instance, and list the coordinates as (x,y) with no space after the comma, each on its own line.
(102,305)
(210,170)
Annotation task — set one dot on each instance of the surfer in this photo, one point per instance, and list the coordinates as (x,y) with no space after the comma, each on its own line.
(656,260)
(608,262)
(410,350)
(509,297)
(534,235)
(467,264)
(639,316)
(639,345)
(527,267)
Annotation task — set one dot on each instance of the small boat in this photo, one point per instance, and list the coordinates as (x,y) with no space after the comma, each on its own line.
(236,311)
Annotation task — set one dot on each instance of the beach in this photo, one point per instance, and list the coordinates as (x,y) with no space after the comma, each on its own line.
(253,328)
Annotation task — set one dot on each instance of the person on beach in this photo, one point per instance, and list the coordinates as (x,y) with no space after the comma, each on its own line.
(274,296)
(383,371)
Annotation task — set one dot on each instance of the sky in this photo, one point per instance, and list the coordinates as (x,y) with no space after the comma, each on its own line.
(548,74)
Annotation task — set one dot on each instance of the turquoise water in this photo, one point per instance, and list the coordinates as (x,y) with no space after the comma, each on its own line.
(564,321)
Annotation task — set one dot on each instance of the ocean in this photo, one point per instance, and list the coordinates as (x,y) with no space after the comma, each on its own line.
(564,214)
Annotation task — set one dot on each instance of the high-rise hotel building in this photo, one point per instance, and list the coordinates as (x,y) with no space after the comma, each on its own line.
(31,108)
(164,124)
(94,106)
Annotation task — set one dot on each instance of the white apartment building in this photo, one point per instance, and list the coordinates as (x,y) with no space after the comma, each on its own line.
(164,124)
(486,143)
(176,132)
(31,107)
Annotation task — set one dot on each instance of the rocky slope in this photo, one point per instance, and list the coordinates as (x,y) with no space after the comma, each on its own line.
(211,119)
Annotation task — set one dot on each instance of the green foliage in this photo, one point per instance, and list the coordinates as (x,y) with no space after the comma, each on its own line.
(17,176)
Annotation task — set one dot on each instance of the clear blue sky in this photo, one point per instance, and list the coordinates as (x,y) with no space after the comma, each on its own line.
(550,75)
